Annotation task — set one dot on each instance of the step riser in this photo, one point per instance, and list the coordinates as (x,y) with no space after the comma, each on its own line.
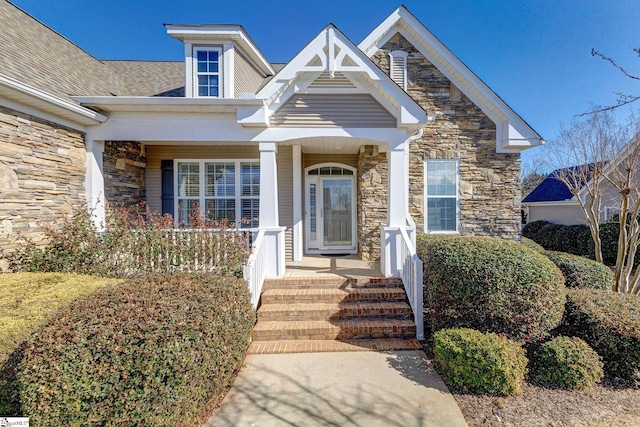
(339,315)
(404,333)
(335,298)
(381,282)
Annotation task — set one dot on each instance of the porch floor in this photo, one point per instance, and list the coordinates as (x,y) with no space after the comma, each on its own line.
(332,266)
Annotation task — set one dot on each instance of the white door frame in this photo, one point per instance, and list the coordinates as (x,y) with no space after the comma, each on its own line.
(318,181)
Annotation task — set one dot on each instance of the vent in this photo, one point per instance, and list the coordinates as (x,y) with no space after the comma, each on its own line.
(398,67)
(339,80)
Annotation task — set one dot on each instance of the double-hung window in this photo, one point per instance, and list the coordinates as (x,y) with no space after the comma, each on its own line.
(220,189)
(207,67)
(442,201)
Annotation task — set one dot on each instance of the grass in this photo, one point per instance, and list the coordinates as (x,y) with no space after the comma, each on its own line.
(27,299)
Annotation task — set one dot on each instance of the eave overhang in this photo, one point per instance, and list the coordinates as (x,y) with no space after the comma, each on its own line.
(16,93)
(219,33)
(166,104)
(513,134)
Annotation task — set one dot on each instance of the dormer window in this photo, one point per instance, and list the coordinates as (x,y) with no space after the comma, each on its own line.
(207,72)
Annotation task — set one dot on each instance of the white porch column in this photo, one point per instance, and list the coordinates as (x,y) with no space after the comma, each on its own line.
(94,182)
(273,243)
(397,208)
(297,203)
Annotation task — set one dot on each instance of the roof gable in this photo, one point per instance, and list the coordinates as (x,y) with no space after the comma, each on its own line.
(552,189)
(513,134)
(331,54)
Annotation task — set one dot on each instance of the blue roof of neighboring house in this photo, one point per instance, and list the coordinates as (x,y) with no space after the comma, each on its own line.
(552,189)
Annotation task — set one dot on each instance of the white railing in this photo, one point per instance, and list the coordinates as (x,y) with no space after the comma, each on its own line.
(254,270)
(411,274)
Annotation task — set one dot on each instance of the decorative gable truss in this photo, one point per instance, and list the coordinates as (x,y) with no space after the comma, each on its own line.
(513,134)
(329,66)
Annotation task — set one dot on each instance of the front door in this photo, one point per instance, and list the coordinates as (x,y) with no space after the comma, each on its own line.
(330,210)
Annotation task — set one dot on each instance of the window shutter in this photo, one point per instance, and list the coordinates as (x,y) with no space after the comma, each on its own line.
(398,67)
(167,187)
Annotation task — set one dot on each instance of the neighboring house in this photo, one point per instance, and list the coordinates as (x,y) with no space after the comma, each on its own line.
(553,201)
(341,150)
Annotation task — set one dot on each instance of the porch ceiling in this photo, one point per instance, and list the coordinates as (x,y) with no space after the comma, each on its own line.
(331,145)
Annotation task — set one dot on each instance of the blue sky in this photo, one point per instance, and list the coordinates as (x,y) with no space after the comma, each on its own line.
(535,54)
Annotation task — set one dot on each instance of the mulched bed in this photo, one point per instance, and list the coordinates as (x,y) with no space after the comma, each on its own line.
(606,404)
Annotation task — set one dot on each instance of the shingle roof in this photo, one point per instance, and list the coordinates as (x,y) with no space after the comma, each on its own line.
(552,189)
(150,78)
(36,55)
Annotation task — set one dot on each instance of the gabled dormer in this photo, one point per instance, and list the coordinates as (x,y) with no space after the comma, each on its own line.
(221,61)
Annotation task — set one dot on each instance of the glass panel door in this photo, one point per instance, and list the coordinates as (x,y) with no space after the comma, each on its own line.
(338,213)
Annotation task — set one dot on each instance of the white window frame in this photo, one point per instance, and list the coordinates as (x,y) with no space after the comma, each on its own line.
(201,192)
(610,212)
(219,73)
(427,196)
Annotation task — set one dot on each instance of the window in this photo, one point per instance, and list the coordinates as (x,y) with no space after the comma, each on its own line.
(441,195)
(222,189)
(610,213)
(207,66)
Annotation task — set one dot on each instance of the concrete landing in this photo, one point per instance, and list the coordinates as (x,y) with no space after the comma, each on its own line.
(338,389)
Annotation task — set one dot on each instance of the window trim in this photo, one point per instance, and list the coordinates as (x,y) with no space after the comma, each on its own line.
(427,196)
(196,73)
(238,197)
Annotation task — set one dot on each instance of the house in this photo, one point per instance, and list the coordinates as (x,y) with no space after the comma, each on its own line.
(348,148)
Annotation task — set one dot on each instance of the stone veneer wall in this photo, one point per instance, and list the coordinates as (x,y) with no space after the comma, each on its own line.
(372,200)
(124,172)
(489,181)
(42,173)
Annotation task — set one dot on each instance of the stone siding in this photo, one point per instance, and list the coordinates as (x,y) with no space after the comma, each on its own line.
(373,187)
(124,172)
(42,175)
(489,181)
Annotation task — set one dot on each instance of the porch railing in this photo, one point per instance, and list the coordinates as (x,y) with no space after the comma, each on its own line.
(254,270)
(411,274)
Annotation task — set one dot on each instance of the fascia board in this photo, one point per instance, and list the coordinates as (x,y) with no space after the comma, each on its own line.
(53,104)
(569,202)
(123,104)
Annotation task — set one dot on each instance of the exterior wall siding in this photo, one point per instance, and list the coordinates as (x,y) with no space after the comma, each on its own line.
(246,79)
(565,215)
(489,182)
(124,172)
(153,176)
(42,173)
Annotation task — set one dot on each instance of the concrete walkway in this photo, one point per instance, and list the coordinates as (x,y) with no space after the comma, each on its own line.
(338,389)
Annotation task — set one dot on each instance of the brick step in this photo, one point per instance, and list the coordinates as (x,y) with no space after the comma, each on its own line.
(334,330)
(334,311)
(331,295)
(317,346)
(331,282)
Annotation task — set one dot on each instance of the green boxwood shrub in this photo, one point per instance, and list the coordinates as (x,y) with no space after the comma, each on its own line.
(581,272)
(566,363)
(531,229)
(152,351)
(532,245)
(480,363)
(491,285)
(610,323)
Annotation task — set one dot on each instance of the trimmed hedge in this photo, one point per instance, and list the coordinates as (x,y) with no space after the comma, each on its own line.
(531,229)
(532,245)
(480,363)
(153,351)
(566,363)
(491,285)
(610,323)
(581,272)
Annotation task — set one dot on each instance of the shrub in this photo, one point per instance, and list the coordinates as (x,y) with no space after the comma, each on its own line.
(26,300)
(566,363)
(610,323)
(136,241)
(491,285)
(581,272)
(150,351)
(480,363)
(532,245)
(531,229)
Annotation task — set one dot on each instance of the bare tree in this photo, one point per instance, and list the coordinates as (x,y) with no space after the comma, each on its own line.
(606,173)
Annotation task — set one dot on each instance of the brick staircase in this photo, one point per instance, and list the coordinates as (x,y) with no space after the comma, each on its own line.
(299,315)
